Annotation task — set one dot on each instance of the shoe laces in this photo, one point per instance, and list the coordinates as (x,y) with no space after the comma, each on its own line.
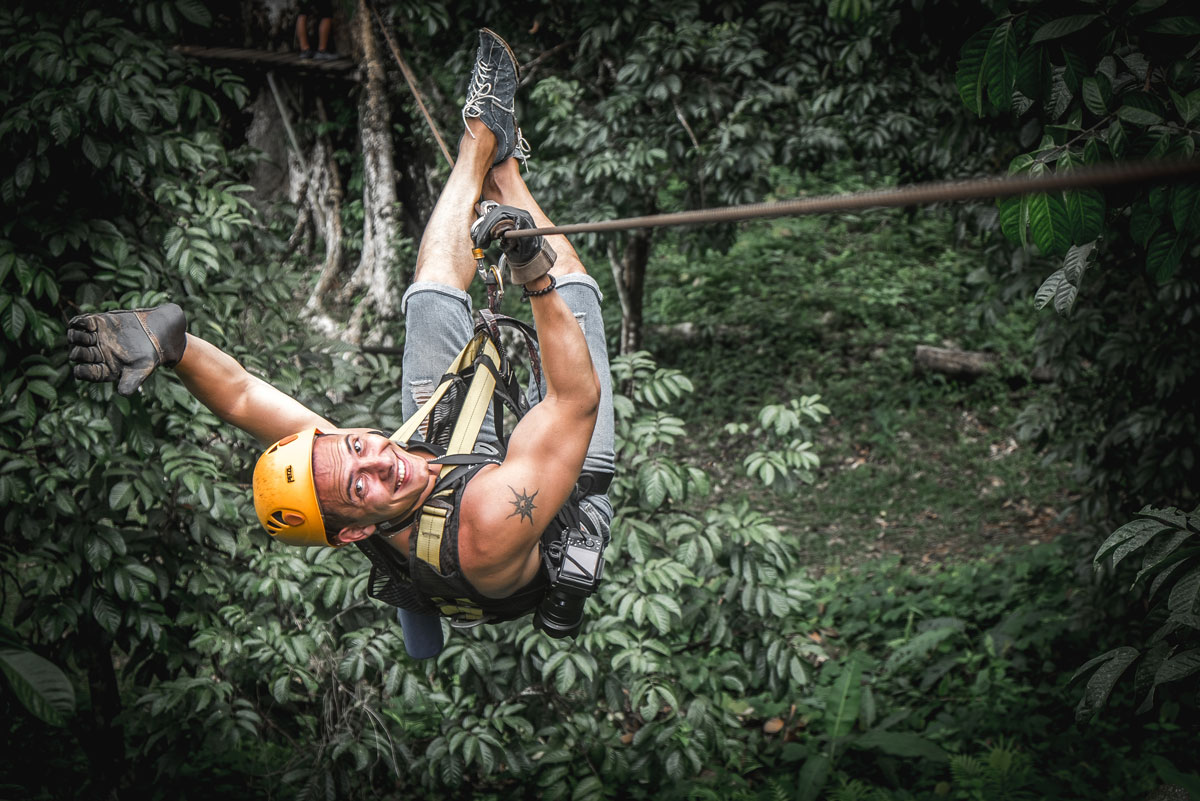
(521,149)
(480,92)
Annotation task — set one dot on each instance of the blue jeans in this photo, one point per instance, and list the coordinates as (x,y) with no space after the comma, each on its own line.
(438,323)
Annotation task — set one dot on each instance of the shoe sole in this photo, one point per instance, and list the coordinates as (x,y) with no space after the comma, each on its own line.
(507,49)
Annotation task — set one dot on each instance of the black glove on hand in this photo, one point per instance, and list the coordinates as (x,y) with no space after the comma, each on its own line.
(126,346)
(528,257)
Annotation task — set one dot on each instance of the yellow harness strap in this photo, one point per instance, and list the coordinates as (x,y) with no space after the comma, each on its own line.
(431,521)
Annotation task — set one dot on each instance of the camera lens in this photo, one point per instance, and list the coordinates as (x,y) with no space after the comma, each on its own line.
(560,614)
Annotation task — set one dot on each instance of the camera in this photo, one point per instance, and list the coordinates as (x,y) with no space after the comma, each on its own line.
(575,569)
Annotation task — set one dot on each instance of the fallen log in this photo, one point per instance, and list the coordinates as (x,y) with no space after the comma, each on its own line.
(966,363)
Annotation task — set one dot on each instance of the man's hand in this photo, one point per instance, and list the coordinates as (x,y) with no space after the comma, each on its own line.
(126,346)
(528,257)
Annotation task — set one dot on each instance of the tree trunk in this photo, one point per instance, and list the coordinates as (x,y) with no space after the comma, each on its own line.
(415,184)
(629,274)
(964,363)
(376,268)
(103,741)
(329,195)
(308,177)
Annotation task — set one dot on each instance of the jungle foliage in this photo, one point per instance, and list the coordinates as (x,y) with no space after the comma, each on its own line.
(1091,83)
(155,645)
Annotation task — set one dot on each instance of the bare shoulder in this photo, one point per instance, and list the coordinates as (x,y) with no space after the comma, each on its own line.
(498,538)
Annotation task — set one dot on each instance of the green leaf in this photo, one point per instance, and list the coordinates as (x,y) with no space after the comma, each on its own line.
(1187,105)
(1116,139)
(970,77)
(1065,26)
(1141,108)
(39,685)
(1049,224)
(1096,95)
(121,495)
(1185,593)
(1160,551)
(1049,288)
(1014,218)
(1144,222)
(1138,116)
(1111,665)
(1145,7)
(1163,255)
(903,744)
(844,699)
(812,778)
(1064,298)
(1076,262)
(1179,666)
(1033,72)
(652,484)
(1085,215)
(1185,208)
(194,11)
(1175,26)
(1000,65)
(13,319)
(1074,70)
(106,614)
(922,644)
(1138,532)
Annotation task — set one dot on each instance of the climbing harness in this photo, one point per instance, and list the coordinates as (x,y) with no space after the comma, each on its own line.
(427,578)
(492,280)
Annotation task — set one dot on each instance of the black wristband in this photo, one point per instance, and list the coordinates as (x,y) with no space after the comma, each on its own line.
(537,293)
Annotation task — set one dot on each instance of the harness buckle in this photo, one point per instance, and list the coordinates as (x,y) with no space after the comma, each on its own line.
(491,277)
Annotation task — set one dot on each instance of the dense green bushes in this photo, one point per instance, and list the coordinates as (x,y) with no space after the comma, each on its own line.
(1091,83)
(205,661)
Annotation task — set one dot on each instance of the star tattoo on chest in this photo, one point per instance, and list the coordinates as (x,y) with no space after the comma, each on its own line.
(523,505)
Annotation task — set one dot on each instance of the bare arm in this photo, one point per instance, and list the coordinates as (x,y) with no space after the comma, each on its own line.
(218,381)
(511,505)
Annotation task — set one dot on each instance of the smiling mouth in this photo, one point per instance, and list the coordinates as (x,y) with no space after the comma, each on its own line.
(401,474)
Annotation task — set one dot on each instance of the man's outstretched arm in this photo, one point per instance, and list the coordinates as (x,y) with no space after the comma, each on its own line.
(127,346)
(218,381)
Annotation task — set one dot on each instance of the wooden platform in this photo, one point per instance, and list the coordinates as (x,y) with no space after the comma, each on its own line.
(343,68)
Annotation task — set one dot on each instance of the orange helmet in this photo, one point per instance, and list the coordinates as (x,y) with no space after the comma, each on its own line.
(285,494)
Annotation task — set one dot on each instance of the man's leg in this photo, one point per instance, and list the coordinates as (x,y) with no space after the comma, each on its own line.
(445,253)
(436,307)
(505,185)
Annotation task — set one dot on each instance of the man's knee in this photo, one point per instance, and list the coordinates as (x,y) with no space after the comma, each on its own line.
(434,270)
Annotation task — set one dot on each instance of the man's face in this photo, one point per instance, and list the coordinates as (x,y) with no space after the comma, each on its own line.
(363,476)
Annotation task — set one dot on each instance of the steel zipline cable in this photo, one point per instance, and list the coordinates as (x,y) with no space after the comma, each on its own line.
(1119,174)
(1116,174)
(1103,175)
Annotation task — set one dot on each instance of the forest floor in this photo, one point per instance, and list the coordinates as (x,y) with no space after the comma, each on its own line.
(915,466)
(950,484)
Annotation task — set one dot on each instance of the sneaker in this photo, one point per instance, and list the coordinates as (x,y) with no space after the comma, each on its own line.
(325,55)
(306,54)
(491,97)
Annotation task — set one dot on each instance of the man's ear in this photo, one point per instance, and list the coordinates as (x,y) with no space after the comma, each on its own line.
(351,534)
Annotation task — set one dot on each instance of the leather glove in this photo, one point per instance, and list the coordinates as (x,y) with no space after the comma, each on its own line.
(529,257)
(126,346)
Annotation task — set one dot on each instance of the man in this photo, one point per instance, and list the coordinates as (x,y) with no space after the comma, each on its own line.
(322,485)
